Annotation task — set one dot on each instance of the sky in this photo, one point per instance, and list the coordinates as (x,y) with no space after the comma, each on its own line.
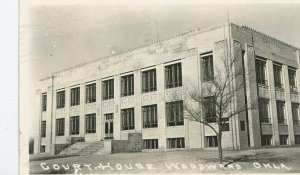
(54,37)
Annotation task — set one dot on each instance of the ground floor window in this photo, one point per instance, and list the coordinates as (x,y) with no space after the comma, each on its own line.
(90,123)
(60,127)
(175,143)
(74,125)
(211,141)
(42,149)
(297,139)
(127,118)
(266,140)
(283,139)
(150,144)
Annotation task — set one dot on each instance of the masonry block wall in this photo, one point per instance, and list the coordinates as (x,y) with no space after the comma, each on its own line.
(245,44)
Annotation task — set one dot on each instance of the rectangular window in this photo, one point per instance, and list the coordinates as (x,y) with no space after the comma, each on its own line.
(127,85)
(174,114)
(175,143)
(75,96)
(90,123)
(283,139)
(74,125)
(292,80)
(280,112)
(60,127)
(173,75)
(211,141)
(266,140)
(210,109)
(108,89)
(243,127)
(261,72)
(42,149)
(44,101)
(109,126)
(295,113)
(90,92)
(60,99)
(207,67)
(43,132)
(150,116)
(297,139)
(278,76)
(149,80)
(263,108)
(127,119)
(150,144)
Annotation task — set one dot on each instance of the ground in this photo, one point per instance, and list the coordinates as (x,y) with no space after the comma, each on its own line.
(271,160)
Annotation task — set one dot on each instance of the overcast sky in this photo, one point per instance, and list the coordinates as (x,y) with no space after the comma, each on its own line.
(54,37)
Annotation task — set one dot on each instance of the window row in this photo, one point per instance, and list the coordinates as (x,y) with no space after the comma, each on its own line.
(261,75)
(173,78)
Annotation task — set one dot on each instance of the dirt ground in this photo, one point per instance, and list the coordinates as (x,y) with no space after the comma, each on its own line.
(270,160)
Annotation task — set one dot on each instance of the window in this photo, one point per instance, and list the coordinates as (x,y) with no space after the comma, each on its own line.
(243,128)
(292,80)
(60,127)
(210,109)
(128,119)
(150,144)
(43,132)
(75,96)
(108,89)
(297,139)
(263,108)
(225,126)
(211,141)
(175,143)
(283,139)
(44,101)
(74,125)
(280,112)
(261,72)
(173,75)
(207,67)
(150,116)
(149,80)
(277,76)
(90,92)
(174,113)
(109,126)
(90,123)
(42,149)
(295,113)
(127,85)
(60,99)
(266,140)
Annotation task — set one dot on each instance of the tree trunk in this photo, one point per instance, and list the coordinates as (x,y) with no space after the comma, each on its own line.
(220,151)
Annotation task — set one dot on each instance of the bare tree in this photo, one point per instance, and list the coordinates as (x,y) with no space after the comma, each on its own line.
(215,101)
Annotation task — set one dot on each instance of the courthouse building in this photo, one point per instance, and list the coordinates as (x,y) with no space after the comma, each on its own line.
(129,92)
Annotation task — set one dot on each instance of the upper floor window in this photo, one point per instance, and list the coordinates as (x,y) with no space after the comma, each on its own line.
(90,123)
(261,72)
(75,96)
(173,75)
(263,109)
(207,67)
(127,85)
(295,113)
(108,89)
(175,113)
(150,116)
(149,80)
(281,112)
(44,101)
(60,127)
(60,99)
(90,93)
(278,75)
(43,132)
(127,118)
(210,109)
(292,80)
